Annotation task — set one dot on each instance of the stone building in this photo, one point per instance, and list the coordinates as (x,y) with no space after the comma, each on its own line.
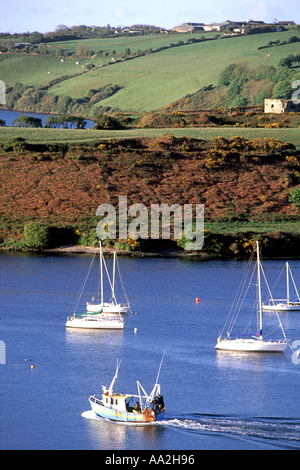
(279,106)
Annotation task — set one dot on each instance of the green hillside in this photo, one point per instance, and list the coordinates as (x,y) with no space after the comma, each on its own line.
(146,82)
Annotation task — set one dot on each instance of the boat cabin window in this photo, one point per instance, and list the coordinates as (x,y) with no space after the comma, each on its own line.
(113,401)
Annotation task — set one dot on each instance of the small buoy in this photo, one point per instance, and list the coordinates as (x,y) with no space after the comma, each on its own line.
(135,330)
(32,367)
(197,300)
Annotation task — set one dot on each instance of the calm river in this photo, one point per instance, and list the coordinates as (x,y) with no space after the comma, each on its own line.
(213,400)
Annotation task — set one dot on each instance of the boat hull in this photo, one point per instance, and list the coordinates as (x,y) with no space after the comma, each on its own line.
(250,345)
(282,307)
(148,416)
(94,323)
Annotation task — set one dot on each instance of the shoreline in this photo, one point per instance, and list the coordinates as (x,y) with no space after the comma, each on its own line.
(90,250)
(83,249)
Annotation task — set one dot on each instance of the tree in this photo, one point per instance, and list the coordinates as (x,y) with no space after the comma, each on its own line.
(83,50)
(66,121)
(286,61)
(27,121)
(35,37)
(227,76)
(283,89)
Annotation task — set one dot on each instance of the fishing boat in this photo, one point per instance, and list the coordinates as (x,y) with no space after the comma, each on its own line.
(256,342)
(140,409)
(285,304)
(112,306)
(100,317)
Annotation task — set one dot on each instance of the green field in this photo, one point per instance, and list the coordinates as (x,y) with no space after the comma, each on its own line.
(151,81)
(78,136)
(289,226)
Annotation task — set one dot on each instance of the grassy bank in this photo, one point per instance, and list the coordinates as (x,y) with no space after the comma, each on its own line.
(78,136)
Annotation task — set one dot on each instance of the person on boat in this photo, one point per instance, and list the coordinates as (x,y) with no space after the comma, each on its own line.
(137,407)
(158,402)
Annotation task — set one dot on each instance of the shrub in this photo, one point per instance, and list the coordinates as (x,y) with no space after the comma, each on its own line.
(104,121)
(36,235)
(295,197)
(14,144)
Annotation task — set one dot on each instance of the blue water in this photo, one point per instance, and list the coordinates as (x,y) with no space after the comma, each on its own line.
(8,116)
(213,400)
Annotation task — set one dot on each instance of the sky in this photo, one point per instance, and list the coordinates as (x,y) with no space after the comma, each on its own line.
(44,16)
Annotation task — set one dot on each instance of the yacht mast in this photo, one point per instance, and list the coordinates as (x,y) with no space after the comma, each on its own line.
(287,283)
(113,282)
(259,290)
(101,272)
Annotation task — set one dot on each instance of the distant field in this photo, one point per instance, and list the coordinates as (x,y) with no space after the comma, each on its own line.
(206,133)
(152,81)
(291,226)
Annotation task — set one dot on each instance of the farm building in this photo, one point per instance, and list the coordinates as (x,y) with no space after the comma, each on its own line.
(279,106)
(188,27)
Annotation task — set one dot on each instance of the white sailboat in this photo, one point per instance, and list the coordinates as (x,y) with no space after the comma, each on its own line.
(255,343)
(97,319)
(285,304)
(112,306)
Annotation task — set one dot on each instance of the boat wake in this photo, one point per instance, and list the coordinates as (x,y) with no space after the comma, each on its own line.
(284,430)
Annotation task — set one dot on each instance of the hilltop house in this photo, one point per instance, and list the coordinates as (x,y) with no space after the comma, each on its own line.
(194,27)
(188,28)
(218,26)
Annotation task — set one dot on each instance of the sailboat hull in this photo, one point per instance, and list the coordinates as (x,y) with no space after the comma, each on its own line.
(95,323)
(283,307)
(250,345)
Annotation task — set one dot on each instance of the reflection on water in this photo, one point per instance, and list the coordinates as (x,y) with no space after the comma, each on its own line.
(249,361)
(77,337)
(116,435)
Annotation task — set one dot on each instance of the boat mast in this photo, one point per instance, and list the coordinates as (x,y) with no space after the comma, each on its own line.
(115,377)
(287,284)
(101,272)
(259,290)
(114,274)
